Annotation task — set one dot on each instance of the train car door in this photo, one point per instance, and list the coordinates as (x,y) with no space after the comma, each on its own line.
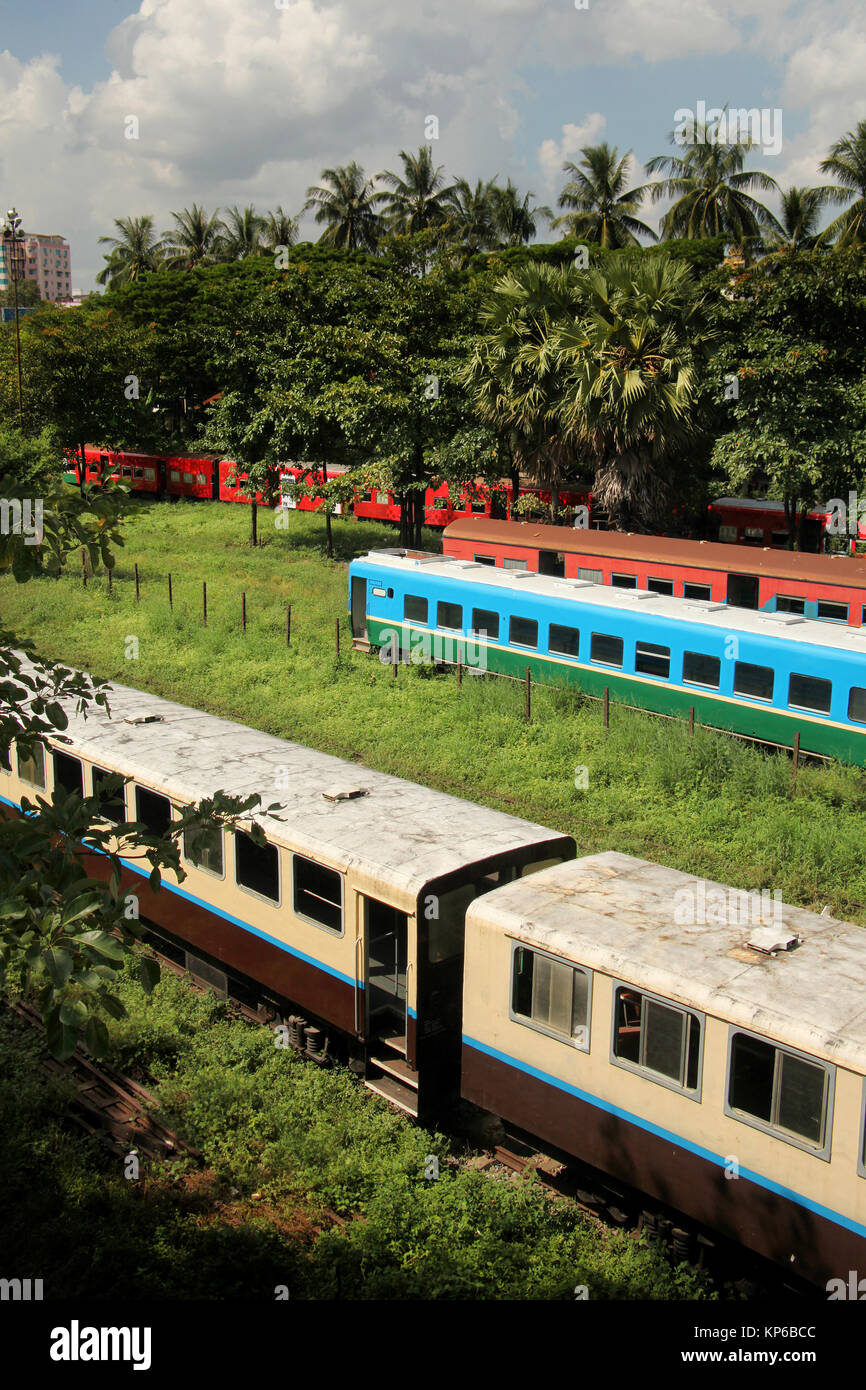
(551,562)
(386,935)
(359,608)
(742,590)
(161,479)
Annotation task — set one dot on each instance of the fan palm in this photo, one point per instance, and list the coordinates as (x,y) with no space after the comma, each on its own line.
(418,197)
(847,162)
(279,230)
(242,235)
(710,188)
(347,203)
(603,208)
(194,239)
(135,252)
(514,221)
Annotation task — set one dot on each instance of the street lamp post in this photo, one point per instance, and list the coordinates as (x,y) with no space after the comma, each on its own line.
(12,238)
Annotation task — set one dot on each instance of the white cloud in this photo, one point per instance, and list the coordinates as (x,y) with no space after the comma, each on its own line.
(553,153)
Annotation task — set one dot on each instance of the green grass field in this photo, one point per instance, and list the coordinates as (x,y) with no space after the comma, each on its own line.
(708,805)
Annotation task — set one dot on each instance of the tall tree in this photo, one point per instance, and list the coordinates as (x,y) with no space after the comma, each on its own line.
(471,217)
(135,252)
(515,222)
(347,203)
(418,198)
(800,215)
(847,163)
(603,208)
(242,234)
(279,230)
(194,239)
(710,188)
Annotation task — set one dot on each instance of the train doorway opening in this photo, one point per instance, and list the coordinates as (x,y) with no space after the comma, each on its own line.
(386,933)
(359,609)
(743,590)
(550,562)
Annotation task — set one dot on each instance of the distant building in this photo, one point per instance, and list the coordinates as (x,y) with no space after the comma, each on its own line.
(45,259)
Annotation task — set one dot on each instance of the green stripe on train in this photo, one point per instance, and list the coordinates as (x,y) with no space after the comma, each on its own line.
(764,724)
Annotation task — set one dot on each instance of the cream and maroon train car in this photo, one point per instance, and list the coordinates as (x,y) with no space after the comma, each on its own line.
(353,912)
(670,1032)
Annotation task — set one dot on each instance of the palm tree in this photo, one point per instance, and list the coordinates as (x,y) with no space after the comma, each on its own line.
(631,366)
(195,238)
(242,236)
(514,221)
(604,209)
(347,202)
(279,230)
(801,212)
(418,198)
(710,188)
(135,252)
(470,217)
(847,162)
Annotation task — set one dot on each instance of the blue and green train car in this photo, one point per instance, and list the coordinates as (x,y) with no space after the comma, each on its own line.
(767,676)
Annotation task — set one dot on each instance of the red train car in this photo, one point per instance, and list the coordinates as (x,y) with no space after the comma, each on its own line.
(830,587)
(759,522)
(440,508)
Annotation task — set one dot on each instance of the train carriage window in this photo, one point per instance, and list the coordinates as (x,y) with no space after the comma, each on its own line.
(523,632)
(150,474)
(485,621)
(728,534)
(752,535)
(484,559)
(68,773)
(833,612)
(702,591)
(652,660)
(108,789)
(700,669)
(657,1037)
(605,649)
(5,759)
(787,603)
(591,576)
(857,704)
(138,472)
(809,692)
(550,995)
(31,765)
(754,681)
(509,564)
(449,615)
(414,608)
(624,581)
(126,471)
(779,1089)
(564,639)
(174,475)
(317,894)
(478,505)
(201,479)
(257,867)
(153,810)
(660,586)
(204,849)
(779,539)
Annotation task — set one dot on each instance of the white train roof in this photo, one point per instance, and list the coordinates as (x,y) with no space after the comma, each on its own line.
(628,918)
(721,616)
(402,833)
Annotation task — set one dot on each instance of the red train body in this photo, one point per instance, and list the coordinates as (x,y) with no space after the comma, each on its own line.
(759,522)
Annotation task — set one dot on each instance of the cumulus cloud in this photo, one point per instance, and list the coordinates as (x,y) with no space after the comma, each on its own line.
(552,154)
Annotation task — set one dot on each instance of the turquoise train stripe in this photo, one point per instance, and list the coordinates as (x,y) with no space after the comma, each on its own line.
(758,1178)
(227,916)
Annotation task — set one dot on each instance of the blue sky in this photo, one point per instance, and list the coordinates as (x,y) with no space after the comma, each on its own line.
(242,101)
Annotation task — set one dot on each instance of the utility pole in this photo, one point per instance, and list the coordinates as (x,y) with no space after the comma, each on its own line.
(11,237)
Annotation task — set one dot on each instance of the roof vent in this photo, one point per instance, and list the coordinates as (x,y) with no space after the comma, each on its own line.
(522,574)
(144,719)
(786,618)
(344,793)
(769,940)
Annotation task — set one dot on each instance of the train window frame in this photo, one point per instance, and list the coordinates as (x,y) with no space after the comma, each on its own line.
(861,1153)
(204,868)
(580,1041)
(304,916)
(440,623)
(814,680)
(607,637)
(22,758)
(70,758)
(416,598)
(783,600)
(490,634)
(510,563)
(512,640)
(652,651)
(657,584)
(484,560)
(749,695)
(96,771)
(704,597)
(831,603)
(639,1068)
(563,650)
(591,576)
(853,717)
(775,1131)
(148,791)
(254,892)
(702,685)
(623,581)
